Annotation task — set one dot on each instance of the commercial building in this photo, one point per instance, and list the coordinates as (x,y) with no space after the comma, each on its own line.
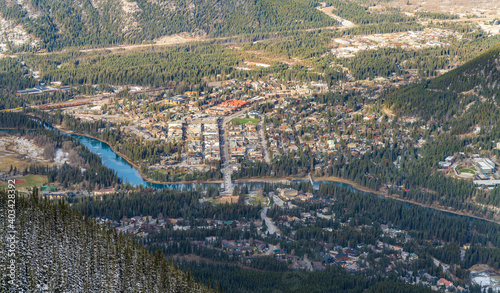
(485,165)
(287,194)
(487,183)
(42,90)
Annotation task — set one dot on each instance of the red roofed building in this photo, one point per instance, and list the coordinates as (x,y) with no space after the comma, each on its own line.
(444,282)
(234,103)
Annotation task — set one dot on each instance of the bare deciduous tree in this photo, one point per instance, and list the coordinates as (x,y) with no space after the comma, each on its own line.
(50,151)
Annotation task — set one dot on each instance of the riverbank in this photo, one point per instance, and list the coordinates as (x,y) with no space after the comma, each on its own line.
(396,197)
(350,183)
(67,131)
(283,179)
(135,165)
(355,186)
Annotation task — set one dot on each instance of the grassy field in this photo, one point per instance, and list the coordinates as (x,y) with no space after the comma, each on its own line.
(30,181)
(258,198)
(244,120)
(468,170)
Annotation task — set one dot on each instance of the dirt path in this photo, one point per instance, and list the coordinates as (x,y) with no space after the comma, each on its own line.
(329,11)
(163,41)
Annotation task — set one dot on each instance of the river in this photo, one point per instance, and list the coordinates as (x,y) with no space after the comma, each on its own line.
(124,169)
(130,174)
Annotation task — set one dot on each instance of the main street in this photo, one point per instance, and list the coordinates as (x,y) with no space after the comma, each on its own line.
(227,167)
(267,157)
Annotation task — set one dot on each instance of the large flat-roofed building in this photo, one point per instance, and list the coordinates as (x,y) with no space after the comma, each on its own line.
(485,165)
(487,183)
(287,194)
(177,100)
(41,90)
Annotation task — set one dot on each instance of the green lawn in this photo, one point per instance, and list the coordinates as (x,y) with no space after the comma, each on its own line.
(244,120)
(258,199)
(468,170)
(31,180)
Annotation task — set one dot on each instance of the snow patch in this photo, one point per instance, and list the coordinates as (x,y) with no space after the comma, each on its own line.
(61,157)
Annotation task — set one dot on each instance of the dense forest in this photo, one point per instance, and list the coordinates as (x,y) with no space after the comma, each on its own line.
(59,250)
(109,22)
(12,78)
(198,63)
(440,97)
(363,15)
(236,279)
(156,68)
(169,202)
(191,64)
(352,210)
(423,223)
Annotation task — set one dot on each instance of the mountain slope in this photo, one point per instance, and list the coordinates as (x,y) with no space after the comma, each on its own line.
(444,97)
(60,23)
(482,73)
(59,251)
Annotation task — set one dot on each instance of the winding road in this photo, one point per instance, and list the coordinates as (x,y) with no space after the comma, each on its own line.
(271,228)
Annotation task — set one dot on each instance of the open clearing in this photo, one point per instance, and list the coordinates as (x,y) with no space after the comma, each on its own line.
(486,276)
(476,7)
(329,11)
(19,152)
(244,120)
(468,170)
(256,198)
(29,181)
(226,199)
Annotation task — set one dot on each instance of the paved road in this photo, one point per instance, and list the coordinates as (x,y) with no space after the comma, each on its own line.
(228,183)
(271,228)
(279,202)
(271,249)
(329,11)
(267,157)
(227,169)
(443,265)
(320,215)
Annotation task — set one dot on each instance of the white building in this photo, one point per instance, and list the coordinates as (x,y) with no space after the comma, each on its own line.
(485,165)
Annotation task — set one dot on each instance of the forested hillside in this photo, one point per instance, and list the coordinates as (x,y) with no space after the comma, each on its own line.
(442,97)
(61,23)
(93,175)
(362,15)
(58,250)
(481,73)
